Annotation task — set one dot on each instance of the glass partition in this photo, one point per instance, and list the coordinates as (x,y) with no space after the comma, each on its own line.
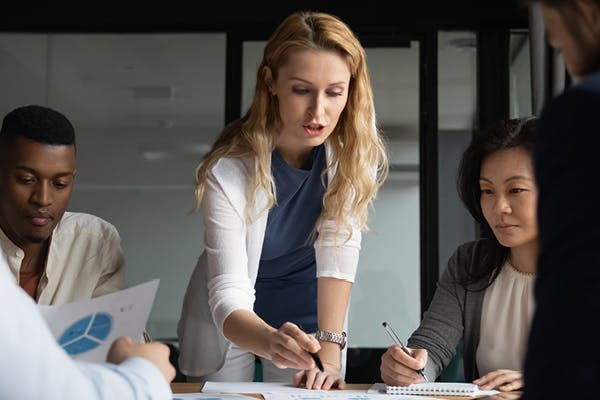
(145,108)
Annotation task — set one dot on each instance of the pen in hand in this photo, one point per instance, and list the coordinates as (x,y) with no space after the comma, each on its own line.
(397,340)
(315,356)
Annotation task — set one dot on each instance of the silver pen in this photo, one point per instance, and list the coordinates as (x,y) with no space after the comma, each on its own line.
(397,340)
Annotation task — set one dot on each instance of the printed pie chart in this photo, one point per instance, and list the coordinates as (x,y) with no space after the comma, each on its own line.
(86,334)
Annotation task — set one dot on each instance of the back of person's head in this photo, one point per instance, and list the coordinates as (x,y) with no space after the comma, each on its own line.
(505,134)
(556,3)
(38,123)
(573,27)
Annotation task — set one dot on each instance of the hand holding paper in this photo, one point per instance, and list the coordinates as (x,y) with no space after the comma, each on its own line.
(157,353)
(86,329)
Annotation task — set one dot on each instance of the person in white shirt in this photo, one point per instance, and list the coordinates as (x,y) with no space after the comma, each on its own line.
(56,256)
(33,366)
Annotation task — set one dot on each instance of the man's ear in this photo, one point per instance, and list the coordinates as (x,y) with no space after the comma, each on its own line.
(268,79)
(74,173)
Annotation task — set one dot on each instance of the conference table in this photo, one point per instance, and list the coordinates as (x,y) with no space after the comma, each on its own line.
(195,387)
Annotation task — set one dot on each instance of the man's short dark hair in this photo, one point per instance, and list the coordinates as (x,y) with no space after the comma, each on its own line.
(38,123)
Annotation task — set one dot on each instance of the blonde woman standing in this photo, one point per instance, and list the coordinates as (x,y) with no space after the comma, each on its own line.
(285,193)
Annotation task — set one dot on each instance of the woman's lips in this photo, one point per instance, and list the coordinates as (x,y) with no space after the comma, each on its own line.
(314,130)
(506,227)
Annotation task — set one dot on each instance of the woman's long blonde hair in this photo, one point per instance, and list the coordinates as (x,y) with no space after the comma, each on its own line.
(358,151)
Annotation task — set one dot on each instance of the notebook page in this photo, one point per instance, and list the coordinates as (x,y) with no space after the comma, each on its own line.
(441,388)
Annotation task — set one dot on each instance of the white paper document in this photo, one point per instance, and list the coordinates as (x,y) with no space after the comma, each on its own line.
(248,387)
(205,396)
(339,395)
(286,391)
(86,329)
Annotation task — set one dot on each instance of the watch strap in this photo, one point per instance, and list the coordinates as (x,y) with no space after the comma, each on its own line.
(332,337)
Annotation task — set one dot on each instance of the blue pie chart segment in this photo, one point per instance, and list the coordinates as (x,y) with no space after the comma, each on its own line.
(86,334)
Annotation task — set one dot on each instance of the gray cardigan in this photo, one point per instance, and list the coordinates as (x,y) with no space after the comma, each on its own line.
(454,313)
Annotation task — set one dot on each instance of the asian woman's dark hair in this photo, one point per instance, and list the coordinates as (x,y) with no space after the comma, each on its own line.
(505,134)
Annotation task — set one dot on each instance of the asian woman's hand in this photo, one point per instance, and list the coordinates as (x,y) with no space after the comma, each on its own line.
(400,369)
(504,380)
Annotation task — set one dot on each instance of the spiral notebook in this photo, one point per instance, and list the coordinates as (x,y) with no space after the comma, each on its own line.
(441,388)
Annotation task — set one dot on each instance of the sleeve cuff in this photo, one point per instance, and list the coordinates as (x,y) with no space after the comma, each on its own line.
(154,379)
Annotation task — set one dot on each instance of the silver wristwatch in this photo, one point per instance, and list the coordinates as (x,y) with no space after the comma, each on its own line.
(333,337)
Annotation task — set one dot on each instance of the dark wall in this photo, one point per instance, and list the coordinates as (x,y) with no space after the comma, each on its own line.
(219,15)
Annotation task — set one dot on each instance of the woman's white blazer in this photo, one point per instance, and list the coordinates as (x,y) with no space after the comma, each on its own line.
(224,277)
